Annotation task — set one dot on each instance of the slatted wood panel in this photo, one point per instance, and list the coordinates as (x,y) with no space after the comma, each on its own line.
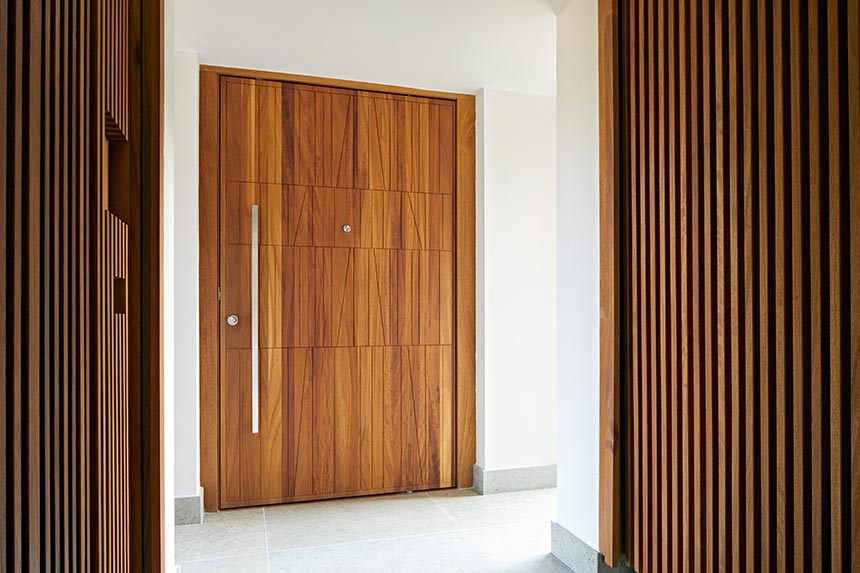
(114,22)
(737,212)
(356,328)
(68,470)
(110,427)
(45,340)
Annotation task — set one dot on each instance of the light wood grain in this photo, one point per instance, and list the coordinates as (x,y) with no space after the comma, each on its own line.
(375,307)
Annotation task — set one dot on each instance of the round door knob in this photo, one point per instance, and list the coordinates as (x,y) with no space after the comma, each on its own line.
(347,228)
(232,320)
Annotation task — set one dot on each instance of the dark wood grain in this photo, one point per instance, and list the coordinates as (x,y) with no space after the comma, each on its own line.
(732,303)
(80,364)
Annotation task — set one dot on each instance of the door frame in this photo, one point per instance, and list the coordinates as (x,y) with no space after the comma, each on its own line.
(209,272)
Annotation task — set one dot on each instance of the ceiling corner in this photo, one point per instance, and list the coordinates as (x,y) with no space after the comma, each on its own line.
(558,5)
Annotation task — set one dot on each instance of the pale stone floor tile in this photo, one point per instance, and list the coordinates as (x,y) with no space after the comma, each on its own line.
(257,564)
(451,530)
(233,533)
(357,519)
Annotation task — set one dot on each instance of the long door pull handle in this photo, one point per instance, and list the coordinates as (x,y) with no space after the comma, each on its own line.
(255,319)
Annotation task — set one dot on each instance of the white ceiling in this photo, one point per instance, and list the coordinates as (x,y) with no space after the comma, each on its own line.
(452,45)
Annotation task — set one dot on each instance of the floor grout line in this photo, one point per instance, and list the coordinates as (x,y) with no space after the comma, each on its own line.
(448,515)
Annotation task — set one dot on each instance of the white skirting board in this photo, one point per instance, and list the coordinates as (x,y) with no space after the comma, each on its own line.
(574,552)
(513,479)
(188,509)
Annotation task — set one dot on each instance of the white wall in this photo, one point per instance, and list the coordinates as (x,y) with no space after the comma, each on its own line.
(578,270)
(186,268)
(516,280)
(169,282)
(449,45)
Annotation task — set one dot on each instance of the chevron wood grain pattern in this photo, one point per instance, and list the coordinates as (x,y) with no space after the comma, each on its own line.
(357,301)
(733,351)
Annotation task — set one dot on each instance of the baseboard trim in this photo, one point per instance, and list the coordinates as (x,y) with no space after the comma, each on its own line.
(188,509)
(574,552)
(513,479)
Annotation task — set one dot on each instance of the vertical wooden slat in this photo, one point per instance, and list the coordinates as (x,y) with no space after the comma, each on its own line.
(764,275)
(672,276)
(634,241)
(662,269)
(653,373)
(723,290)
(697,304)
(734,187)
(710,295)
(814,390)
(782,303)
(852,233)
(644,299)
(798,264)
(6,437)
(685,543)
(833,286)
(750,289)
(610,451)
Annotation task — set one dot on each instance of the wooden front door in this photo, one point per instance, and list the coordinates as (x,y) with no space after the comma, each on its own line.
(337,366)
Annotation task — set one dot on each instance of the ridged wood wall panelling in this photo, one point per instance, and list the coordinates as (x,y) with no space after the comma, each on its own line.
(64,258)
(45,283)
(739,325)
(44,257)
(115,44)
(110,419)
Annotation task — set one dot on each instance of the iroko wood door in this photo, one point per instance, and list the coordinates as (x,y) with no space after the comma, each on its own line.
(353,198)
(737,221)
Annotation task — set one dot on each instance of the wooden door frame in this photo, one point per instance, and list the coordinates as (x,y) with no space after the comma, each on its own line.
(610,435)
(464,254)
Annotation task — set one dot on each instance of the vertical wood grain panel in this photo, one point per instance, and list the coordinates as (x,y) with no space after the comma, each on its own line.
(850,150)
(610,439)
(737,156)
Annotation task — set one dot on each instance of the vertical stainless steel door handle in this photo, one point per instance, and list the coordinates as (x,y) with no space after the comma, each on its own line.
(255,319)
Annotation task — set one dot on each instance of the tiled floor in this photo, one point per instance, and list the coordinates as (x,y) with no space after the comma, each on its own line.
(453,530)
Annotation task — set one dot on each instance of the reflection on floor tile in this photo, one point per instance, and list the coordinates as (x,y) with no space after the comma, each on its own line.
(452,530)
(470,509)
